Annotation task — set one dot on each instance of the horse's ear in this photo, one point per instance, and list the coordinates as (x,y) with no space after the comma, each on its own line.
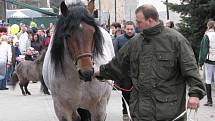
(91,6)
(63,8)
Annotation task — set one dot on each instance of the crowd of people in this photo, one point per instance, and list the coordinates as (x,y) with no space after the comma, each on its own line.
(24,45)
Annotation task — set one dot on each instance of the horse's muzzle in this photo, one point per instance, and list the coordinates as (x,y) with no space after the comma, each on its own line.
(86,75)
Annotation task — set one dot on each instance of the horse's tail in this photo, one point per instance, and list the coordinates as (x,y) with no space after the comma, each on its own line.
(14,79)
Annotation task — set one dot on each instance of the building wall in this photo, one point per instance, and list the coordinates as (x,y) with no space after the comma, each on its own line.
(130,8)
(124,9)
(35,3)
(2,12)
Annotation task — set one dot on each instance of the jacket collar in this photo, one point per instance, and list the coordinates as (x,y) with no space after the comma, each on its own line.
(153,30)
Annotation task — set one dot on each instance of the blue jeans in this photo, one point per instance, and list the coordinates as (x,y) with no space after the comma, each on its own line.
(3,82)
(9,73)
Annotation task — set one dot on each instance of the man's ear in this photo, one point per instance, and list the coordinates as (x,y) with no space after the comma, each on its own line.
(63,8)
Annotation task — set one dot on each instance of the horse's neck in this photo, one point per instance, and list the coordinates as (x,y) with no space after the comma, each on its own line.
(108,50)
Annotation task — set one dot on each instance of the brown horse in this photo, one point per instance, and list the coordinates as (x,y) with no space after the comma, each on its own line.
(78,47)
(29,71)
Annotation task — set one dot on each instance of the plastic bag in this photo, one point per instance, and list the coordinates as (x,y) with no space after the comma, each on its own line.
(192,115)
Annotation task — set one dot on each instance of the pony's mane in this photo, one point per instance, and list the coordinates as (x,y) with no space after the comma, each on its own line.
(66,24)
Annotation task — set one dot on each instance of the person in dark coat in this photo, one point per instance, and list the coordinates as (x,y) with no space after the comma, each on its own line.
(129,28)
(159,63)
(35,43)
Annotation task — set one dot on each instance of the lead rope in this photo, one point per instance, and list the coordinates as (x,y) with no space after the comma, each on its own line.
(118,91)
(195,118)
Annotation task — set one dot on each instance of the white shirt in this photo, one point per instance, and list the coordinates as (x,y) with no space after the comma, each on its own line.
(5,52)
(24,42)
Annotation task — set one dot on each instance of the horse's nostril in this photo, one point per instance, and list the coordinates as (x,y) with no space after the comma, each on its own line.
(86,74)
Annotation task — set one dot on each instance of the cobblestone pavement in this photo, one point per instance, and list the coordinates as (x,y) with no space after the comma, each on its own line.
(39,107)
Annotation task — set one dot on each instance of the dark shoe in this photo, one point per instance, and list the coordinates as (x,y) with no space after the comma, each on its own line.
(4,88)
(208,104)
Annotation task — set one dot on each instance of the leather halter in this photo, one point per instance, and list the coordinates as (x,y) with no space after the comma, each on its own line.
(83,55)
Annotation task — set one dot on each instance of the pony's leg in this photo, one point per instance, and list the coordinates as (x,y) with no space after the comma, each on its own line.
(26,88)
(21,87)
(44,87)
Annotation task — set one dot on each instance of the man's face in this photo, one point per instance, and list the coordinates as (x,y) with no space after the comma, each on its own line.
(23,28)
(113,29)
(129,30)
(142,23)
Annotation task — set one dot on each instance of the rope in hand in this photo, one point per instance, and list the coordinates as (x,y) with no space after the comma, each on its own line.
(189,117)
(116,87)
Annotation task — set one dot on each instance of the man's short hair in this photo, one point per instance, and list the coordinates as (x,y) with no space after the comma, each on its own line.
(129,23)
(149,11)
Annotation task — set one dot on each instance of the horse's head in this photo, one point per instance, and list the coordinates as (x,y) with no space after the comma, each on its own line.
(81,36)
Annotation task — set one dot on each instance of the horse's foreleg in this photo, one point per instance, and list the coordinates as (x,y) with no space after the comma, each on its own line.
(99,111)
(64,114)
(21,87)
(26,88)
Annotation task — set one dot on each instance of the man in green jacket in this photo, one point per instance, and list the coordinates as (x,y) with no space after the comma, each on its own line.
(159,62)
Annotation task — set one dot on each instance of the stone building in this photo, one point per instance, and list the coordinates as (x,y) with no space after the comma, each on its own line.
(124,10)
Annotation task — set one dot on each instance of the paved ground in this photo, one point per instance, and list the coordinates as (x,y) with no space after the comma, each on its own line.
(39,107)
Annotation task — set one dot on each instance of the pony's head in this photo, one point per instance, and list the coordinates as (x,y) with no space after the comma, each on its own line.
(77,31)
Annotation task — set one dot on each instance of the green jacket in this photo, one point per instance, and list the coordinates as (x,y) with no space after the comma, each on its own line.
(204,49)
(160,62)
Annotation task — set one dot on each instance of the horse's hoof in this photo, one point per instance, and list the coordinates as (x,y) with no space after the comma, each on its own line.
(28,93)
(47,93)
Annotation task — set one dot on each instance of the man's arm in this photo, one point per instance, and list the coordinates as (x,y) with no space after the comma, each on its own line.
(190,72)
(118,67)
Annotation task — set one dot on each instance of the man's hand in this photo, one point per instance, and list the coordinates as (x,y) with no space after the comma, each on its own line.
(95,74)
(193,103)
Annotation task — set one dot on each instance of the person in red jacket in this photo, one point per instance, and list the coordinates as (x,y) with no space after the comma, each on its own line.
(47,39)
